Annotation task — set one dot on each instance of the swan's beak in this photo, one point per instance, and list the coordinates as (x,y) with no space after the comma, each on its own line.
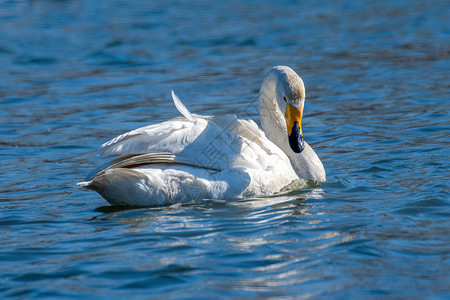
(294,126)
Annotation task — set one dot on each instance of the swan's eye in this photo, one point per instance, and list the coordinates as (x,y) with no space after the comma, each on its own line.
(284,99)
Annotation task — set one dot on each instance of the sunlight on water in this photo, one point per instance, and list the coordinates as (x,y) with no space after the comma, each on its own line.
(76,74)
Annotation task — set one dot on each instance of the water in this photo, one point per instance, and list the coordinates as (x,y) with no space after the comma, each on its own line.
(76,73)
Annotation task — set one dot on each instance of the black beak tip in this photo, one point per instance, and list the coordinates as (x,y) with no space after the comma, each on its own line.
(297,145)
(296,140)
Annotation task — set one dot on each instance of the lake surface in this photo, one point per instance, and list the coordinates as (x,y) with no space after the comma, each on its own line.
(75,74)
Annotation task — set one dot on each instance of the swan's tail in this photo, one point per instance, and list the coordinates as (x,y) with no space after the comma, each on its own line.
(181,108)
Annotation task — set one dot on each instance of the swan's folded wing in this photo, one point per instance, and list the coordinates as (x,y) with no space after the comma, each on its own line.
(214,143)
(200,141)
(138,160)
(170,136)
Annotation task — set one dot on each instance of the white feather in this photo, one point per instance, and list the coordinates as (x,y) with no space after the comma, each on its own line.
(180,106)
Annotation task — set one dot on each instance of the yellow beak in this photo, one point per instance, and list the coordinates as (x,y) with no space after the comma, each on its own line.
(293,115)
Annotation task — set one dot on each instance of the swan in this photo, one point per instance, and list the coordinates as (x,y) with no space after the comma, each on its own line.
(212,157)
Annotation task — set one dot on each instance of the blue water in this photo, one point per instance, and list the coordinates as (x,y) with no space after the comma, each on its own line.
(76,73)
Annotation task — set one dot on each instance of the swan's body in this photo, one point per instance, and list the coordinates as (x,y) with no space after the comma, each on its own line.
(197,157)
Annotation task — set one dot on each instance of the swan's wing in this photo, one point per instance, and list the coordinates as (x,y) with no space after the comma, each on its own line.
(170,136)
(130,161)
(215,143)
(127,162)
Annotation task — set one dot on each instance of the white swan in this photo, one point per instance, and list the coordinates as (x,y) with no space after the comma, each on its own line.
(206,157)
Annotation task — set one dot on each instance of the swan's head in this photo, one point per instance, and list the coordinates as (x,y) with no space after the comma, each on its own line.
(290,97)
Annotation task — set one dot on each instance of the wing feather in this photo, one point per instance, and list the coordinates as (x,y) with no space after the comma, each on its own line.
(171,136)
(128,162)
(181,107)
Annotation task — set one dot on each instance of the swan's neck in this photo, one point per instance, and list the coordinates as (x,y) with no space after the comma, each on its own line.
(272,118)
